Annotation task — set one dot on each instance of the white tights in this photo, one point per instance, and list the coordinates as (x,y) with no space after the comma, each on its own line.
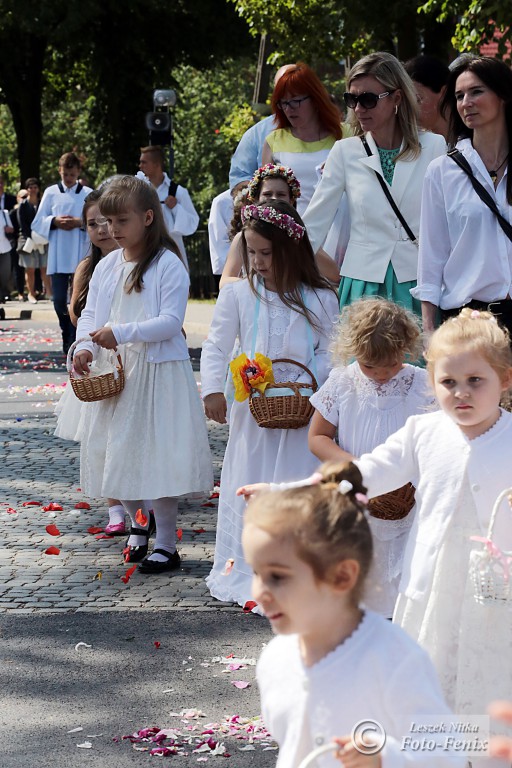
(166,515)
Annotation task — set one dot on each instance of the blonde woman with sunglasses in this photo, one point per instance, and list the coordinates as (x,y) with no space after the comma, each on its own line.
(384,162)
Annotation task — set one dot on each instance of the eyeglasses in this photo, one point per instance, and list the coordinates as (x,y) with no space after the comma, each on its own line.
(292,103)
(367,99)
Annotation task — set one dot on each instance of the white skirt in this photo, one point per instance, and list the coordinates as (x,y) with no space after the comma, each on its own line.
(150,441)
(69,412)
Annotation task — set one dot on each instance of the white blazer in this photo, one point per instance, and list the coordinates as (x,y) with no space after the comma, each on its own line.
(234,317)
(376,235)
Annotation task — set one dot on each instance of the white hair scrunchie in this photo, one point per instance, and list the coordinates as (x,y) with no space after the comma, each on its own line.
(345,487)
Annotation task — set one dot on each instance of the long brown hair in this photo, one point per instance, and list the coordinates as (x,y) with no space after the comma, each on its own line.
(293,262)
(91,260)
(129,193)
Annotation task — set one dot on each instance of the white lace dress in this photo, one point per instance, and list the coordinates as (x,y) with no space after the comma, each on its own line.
(469,643)
(150,441)
(366,414)
(255,455)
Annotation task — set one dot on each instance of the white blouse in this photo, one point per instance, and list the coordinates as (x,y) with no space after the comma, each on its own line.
(366,413)
(463,254)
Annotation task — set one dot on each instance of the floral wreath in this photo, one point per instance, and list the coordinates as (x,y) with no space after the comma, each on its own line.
(272,171)
(272,216)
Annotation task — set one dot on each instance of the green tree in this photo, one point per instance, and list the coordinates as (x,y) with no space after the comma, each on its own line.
(330,30)
(477,21)
(126,50)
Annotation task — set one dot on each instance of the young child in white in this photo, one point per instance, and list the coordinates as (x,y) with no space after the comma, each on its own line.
(459,459)
(149,442)
(332,665)
(282,309)
(365,402)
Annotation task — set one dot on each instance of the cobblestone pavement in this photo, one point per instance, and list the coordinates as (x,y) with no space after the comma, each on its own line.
(36,466)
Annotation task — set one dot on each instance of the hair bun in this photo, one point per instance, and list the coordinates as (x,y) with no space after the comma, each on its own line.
(336,474)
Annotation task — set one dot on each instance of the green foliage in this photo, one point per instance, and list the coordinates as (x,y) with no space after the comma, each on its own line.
(8,159)
(209,120)
(478,21)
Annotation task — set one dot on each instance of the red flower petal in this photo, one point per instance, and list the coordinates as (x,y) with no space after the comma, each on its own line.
(250,604)
(156,644)
(31,504)
(94,529)
(11,511)
(103,536)
(52,507)
(179,533)
(82,505)
(52,530)
(141,518)
(208,504)
(126,578)
(199,530)
(52,551)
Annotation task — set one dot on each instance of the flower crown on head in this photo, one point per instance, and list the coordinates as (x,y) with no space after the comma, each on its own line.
(272,216)
(272,171)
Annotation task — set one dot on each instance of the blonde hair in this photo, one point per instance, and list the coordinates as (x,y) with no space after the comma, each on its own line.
(374,331)
(386,68)
(326,526)
(474,330)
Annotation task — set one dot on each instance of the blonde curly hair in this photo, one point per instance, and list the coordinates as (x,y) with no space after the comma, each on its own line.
(375,331)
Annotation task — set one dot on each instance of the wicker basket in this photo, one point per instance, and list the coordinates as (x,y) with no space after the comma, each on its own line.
(490,569)
(284,411)
(394,505)
(92,388)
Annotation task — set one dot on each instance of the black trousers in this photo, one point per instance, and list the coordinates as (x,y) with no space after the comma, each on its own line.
(502,310)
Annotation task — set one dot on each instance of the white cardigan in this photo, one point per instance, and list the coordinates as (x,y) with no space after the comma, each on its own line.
(432,453)
(234,316)
(164,294)
(379,673)
(376,235)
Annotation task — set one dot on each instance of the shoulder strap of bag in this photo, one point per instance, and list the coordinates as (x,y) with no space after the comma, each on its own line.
(481,191)
(173,188)
(385,189)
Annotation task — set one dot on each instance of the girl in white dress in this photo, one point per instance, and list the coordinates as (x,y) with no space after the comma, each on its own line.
(334,668)
(282,309)
(364,403)
(459,459)
(149,442)
(69,407)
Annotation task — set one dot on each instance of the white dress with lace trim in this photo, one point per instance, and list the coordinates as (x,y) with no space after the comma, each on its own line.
(366,414)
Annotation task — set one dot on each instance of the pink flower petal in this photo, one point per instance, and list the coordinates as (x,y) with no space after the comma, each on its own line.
(240,684)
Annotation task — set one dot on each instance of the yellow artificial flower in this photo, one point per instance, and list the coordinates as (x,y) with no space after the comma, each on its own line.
(250,374)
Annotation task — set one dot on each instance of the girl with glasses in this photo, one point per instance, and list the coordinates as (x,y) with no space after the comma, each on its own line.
(387,153)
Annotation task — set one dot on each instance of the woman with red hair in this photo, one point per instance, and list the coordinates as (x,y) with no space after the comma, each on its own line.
(308,124)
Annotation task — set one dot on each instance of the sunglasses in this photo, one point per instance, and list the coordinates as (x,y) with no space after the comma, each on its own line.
(367,99)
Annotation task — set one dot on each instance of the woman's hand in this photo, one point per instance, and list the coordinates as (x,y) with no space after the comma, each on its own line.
(350,757)
(81,362)
(251,491)
(215,407)
(104,337)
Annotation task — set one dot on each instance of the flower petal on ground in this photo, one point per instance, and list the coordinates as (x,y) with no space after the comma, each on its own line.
(52,551)
(82,505)
(52,530)
(250,604)
(126,578)
(94,529)
(82,645)
(53,507)
(179,533)
(240,684)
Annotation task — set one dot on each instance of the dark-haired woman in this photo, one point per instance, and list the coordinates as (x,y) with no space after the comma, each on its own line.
(465,256)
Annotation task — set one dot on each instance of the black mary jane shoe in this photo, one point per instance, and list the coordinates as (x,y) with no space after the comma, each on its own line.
(134,554)
(172,563)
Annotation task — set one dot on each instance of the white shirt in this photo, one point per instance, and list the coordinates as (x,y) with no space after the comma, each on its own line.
(219,225)
(464,254)
(378,673)
(181,220)
(5,221)
(66,247)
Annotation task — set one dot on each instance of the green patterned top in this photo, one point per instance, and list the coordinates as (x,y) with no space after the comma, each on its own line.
(387,161)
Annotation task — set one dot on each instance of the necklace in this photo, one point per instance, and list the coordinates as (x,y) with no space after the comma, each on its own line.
(494,174)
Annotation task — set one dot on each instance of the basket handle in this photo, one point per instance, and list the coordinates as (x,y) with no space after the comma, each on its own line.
(310,759)
(503,495)
(69,358)
(300,365)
